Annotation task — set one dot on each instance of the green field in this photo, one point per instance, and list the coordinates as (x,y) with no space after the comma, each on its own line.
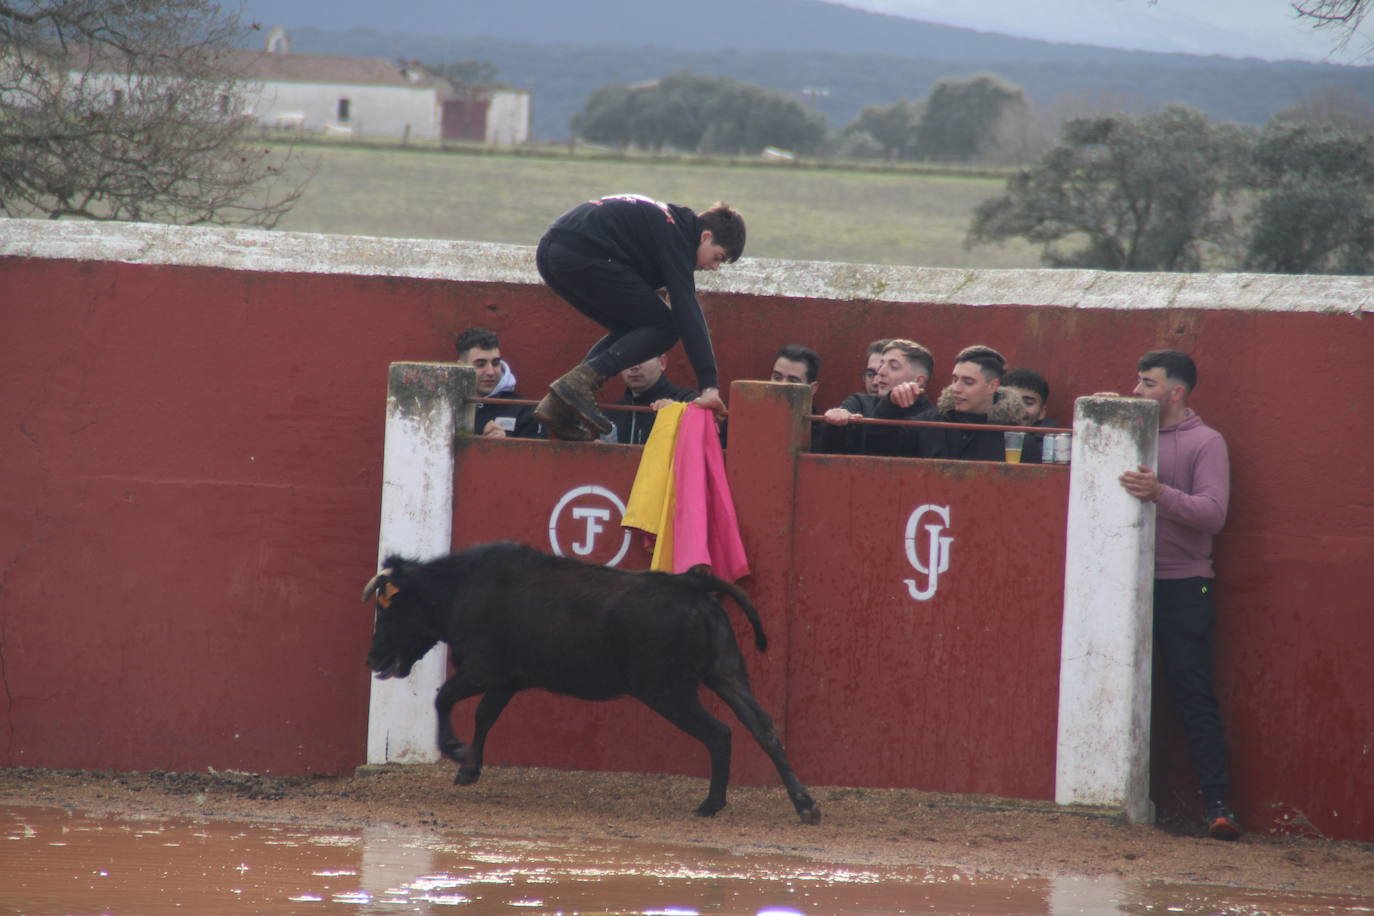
(857,216)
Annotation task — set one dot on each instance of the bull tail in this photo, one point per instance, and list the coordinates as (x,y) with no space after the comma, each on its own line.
(710,583)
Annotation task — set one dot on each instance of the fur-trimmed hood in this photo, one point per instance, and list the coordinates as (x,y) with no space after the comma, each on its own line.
(1004,411)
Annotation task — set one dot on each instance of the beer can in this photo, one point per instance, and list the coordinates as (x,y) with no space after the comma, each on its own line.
(1047,448)
(1063,447)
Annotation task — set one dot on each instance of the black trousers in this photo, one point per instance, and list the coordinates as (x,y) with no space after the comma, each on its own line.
(639,323)
(1184,617)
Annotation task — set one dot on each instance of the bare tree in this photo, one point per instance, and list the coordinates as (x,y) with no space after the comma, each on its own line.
(1342,16)
(131,110)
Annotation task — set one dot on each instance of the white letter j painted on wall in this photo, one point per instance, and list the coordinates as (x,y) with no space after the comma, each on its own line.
(937,550)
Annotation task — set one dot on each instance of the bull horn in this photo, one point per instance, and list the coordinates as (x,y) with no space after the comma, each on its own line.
(370,588)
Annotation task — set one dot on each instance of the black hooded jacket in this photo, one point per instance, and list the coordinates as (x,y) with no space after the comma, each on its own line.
(868,439)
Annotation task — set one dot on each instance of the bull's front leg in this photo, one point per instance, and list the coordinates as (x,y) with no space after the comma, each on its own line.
(488,711)
(454,690)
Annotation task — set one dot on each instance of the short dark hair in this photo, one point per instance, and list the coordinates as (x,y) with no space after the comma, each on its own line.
(914,353)
(989,360)
(476,338)
(880,345)
(726,227)
(1176,364)
(1028,379)
(799,354)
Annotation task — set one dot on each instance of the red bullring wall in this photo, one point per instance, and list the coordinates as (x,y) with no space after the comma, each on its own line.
(192,453)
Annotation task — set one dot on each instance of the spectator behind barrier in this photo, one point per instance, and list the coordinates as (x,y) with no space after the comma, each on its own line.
(646,385)
(1190,491)
(971,397)
(874,360)
(480,349)
(1029,389)
(797,365)
(905,369)
(794,364)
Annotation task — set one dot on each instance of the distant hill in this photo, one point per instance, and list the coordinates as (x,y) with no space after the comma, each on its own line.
(563,75)
(705,26)
(564,51)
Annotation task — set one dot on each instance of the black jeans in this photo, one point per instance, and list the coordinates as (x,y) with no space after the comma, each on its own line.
(1183,623)
(615,297)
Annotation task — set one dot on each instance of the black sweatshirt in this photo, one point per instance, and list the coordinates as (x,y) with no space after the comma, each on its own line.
(633,427)
(658,242)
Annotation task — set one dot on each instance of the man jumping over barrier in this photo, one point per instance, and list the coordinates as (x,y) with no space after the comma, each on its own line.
(608,258)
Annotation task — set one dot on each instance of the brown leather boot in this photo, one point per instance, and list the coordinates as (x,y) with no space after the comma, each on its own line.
(577,389)
(561,421)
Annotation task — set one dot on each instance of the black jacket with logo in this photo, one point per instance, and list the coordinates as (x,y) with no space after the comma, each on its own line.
(632,427)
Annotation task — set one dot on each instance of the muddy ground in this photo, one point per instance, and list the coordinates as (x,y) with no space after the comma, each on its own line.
(859,826)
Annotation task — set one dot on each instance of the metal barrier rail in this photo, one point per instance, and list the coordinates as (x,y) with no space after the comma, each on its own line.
(820,418)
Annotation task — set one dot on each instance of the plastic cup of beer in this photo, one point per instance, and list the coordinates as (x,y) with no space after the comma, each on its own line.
(1013,442)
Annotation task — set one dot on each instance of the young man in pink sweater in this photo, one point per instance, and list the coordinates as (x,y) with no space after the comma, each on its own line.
(1190,493)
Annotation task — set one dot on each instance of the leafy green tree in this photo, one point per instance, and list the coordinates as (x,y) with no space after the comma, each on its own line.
(683,100)
(1337,106)
(607,116)
(892,126)
(686,111)
(963,119)
(854,144)
(1316,209)
(1123,194)
(743,118)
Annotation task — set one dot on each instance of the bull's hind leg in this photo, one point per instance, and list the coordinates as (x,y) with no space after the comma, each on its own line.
(684,709)
(734,690)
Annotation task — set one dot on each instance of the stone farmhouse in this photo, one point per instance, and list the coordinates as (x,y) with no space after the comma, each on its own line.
(375,98)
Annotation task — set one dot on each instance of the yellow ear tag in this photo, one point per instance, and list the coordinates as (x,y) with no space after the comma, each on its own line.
(386,594)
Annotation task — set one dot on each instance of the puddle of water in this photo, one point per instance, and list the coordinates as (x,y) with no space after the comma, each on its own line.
(69,862)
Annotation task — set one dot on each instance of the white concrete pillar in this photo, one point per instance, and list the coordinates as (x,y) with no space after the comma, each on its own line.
(427,406)
(1103,755)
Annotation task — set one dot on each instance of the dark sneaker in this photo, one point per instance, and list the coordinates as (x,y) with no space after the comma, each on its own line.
(1222,824)
(561,421)
(577,389)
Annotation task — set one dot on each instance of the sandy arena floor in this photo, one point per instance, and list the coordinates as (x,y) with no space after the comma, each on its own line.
(860,826)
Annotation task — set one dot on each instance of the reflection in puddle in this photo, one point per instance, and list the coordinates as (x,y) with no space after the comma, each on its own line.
(54,861)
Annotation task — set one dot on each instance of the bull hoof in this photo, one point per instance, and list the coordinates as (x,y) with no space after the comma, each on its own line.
(709,808)
(466,777)
(454,750)
(810,815)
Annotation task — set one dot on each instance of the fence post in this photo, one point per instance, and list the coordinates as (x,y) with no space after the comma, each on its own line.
(1103,755)
(427,406)
(767,428)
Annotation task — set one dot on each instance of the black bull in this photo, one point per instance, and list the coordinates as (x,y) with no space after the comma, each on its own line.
(516,618)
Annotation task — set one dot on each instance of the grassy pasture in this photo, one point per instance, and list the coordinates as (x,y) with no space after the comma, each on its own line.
(855,216)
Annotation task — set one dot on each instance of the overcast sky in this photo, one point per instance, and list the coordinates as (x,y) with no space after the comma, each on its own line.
(1237,28)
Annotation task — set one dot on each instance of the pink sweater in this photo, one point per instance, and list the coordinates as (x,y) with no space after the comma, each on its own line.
(1196,474)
